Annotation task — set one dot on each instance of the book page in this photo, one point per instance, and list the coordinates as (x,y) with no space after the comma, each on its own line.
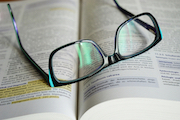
(43,26)
(154,74)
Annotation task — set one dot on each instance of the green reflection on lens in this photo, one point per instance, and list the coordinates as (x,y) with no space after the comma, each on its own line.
(122,40)
(130,28)
(125,37)
(84,53)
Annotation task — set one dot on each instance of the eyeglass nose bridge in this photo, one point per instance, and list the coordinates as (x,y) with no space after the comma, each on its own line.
(114,58)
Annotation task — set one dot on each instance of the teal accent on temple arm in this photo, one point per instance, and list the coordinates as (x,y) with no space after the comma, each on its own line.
(50,80)
(161,33)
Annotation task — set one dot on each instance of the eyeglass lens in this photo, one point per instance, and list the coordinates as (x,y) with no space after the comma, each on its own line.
(134,38)
(83,57)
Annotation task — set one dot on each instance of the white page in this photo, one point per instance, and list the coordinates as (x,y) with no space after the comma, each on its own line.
(148,75)
(29,92)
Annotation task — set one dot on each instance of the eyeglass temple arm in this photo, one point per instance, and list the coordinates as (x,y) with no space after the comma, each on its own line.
(44,74)
(145,25)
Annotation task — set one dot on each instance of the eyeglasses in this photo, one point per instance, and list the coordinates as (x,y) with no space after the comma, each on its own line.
(133,37)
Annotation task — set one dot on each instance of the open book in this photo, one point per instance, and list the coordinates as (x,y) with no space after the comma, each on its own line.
(144,87)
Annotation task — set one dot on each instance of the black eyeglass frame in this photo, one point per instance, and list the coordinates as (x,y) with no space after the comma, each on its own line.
(107,60)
